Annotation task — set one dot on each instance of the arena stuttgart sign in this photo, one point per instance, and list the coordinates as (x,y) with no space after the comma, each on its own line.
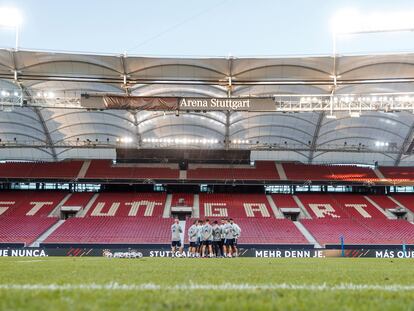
(232,104)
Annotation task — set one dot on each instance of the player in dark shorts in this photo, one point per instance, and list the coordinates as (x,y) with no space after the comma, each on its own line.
(193,238)
(217,248)
(222,252)
(228,239)
(199,229)
(176,231)
(207,239)
(236,234)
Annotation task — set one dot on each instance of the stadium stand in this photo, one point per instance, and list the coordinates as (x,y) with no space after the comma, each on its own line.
(406,200)
(262,170)
(397,173)
(269,231)
(23,229)
(383,201)
(79,199)
(113,230)
(128,217)
(118,218)
(235,205)
(29,203)
(368,231)
(104,169)
(41,170)
(351,173)
(284,201)
(23,214)
(182,199)
(128,204)
(339,206)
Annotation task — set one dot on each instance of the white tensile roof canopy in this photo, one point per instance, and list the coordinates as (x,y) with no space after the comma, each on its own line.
(53,126)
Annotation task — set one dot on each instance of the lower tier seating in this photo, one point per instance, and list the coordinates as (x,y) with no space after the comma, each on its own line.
(269,231)
(24,229)
(367,231)
(116,230)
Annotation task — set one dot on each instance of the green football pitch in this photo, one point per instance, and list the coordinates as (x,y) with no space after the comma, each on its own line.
(56,283)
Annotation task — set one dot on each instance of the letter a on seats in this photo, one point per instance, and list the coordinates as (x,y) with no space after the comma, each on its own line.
(250,208)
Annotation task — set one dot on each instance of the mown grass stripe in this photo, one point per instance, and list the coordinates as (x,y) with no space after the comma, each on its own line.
(209,287)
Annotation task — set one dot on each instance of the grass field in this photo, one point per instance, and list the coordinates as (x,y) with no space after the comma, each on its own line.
(216,284)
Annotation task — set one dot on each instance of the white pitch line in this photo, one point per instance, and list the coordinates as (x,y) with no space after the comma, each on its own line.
(212,287)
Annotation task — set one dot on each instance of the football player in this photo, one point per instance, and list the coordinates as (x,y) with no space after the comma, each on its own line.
(217,239)
(176,230)
(236,233)
(193,238)
(199,229)
(228,239)
(207,239)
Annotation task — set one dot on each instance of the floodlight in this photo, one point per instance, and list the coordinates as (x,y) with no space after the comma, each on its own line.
(10,17)
(351,21)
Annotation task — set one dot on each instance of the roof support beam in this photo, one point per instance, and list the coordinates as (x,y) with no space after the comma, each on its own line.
(137,132)
(315,137)
(227,131)
(125,84)
(46,131)
(230,77)
(23,89)
(405,144)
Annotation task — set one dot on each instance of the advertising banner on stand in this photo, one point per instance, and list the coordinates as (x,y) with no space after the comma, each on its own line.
(139,252)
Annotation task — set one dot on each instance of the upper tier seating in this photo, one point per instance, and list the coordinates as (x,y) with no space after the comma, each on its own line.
(367,231)
(128,204)
(398,173)
(263,170)
(42,170)
(235,205)
(103,169)
(351,173)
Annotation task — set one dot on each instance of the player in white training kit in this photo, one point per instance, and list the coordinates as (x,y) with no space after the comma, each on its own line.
(207,239)
(193,238)
(217,239)
(236,234)
(176,230)
(228,239)
(199,229)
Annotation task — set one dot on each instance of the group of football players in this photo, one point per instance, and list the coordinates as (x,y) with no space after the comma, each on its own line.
(208,239)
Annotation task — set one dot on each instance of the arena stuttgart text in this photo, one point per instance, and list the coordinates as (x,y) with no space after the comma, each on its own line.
(231,104)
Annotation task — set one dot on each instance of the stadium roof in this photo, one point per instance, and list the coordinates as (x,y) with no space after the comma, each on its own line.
(54,126)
